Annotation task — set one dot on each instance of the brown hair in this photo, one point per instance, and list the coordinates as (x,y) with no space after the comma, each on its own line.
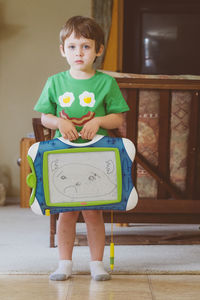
(83,26)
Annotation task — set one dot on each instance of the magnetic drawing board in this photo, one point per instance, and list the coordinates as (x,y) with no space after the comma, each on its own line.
(66,176)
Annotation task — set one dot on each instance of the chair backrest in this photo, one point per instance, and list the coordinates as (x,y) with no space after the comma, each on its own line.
(41,133)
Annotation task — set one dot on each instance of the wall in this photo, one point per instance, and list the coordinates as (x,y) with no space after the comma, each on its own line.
(29,53)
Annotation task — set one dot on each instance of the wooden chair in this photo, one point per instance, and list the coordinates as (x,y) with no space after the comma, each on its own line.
(42,134)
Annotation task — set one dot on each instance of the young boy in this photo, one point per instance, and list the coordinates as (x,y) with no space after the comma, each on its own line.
(79,103)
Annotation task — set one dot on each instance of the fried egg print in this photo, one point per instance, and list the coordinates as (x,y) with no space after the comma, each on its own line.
(82,181)
(66,99)
(87,99)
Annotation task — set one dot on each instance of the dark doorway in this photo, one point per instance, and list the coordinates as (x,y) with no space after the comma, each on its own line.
(161,37)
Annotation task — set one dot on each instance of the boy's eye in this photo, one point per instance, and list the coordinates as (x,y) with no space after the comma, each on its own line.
(71,47)
(86,46)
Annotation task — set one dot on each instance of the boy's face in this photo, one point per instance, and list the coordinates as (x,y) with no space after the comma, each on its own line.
(80,53)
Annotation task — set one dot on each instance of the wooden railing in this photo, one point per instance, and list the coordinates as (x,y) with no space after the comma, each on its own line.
(171,203)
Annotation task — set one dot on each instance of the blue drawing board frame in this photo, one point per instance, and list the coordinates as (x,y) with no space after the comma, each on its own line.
(67,176)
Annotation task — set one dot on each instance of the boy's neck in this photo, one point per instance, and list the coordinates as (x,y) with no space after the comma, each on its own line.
(82,74)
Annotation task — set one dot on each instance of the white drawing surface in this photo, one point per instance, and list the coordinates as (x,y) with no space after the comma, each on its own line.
(82,176)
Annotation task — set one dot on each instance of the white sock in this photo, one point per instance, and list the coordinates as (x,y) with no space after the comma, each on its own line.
(63,271)
(97,271)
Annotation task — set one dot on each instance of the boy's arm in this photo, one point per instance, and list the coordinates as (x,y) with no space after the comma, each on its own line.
(110,121)
(66,127)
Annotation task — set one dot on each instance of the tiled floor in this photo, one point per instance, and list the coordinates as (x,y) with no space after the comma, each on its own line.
(81,287)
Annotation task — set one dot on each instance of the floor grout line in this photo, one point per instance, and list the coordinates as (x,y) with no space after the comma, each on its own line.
(153,297)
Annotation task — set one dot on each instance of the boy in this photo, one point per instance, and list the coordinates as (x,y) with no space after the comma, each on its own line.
(79,103)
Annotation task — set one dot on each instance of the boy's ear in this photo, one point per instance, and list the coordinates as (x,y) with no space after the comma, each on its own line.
(100,50)
(62,50)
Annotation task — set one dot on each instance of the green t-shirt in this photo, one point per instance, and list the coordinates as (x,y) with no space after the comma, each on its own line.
(79,100)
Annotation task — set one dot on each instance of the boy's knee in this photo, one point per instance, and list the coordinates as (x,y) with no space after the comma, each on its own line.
(70,217)
(92,216)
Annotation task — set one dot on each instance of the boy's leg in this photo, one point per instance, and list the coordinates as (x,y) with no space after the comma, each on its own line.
(96,240)
(66,236)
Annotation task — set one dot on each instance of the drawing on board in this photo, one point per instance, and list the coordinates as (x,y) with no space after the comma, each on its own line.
(71,179)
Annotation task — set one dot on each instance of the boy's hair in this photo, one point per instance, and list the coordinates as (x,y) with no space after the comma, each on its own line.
(83,26)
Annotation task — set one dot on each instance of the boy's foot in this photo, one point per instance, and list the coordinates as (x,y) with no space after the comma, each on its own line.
(98,272)
(63,272)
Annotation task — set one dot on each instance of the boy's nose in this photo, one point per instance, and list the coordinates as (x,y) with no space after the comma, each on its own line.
(79,52)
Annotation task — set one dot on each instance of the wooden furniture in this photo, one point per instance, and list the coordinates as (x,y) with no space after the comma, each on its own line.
(171,204)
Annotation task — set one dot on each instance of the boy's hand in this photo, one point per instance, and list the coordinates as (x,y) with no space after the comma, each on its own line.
(67,129)
(90,129)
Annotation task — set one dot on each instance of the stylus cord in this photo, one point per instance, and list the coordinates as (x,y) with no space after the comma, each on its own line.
(111,244)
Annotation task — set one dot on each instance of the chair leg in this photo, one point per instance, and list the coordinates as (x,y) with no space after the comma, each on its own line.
(53,219)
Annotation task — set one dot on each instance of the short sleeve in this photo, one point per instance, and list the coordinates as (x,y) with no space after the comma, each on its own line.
(115,102)
(46,103)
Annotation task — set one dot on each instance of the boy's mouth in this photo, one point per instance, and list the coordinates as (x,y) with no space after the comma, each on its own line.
(79,61)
